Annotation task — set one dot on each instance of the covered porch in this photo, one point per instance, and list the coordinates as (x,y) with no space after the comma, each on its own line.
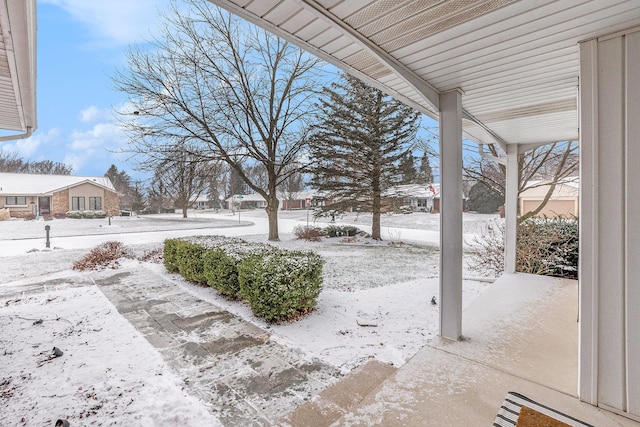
(522,337)
(518,74)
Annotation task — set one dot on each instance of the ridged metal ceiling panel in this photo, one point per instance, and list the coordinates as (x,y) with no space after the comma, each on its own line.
(516,61)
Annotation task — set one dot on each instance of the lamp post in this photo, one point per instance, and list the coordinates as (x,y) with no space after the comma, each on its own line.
(239,206)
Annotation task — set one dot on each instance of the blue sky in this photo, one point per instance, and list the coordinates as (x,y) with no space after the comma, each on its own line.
(80,44)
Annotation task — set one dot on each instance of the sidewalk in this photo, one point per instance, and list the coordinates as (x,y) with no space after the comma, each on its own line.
(233,366)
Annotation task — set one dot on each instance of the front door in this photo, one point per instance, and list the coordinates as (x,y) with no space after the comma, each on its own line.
(44,205)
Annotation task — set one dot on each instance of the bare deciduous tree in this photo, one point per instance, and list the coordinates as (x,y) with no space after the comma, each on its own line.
(550,164)
(183,178)
(240,94)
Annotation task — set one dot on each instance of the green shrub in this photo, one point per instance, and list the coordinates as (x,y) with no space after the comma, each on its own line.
(221,264)
(170,255)
(280,285)
(190,260)
(74,214)
(100,214)
(341,230)
(88,214)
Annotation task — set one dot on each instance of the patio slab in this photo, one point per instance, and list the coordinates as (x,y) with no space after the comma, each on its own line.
(520,336)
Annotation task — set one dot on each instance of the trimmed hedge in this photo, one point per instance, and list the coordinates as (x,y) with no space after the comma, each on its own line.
(74,214)
(86,214)
(222,262)
(279,285)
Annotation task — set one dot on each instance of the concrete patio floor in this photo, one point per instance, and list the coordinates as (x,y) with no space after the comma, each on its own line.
(520,335)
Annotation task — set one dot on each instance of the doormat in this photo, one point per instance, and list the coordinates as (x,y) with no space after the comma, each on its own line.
(518,410)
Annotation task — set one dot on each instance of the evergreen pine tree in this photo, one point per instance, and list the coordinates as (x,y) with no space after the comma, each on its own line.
(425,172)
(408,169)
(357,145)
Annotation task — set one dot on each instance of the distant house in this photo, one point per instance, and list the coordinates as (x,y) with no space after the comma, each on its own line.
(202,202)
(294,201)
(26,195)
(246,201)
(564,200)
(415,197)
(302,200)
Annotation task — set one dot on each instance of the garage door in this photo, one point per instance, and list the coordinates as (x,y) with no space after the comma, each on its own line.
(553,207)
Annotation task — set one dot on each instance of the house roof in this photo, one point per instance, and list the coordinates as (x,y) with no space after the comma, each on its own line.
(21,184)
(516,61)
(18,66)
(414,191)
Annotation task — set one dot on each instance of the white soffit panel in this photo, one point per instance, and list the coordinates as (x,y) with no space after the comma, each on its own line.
(516,61)
(17,65)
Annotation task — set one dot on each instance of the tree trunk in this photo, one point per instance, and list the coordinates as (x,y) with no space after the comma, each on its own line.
(272,214)
(375,221)
(184,211)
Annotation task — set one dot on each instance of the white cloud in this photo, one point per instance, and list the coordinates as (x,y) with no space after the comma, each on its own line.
(115,21)
(91,114)
(26,148)
(95,147)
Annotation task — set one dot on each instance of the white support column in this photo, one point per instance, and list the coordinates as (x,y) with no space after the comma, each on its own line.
(511,209)
(609,374)
(451,215)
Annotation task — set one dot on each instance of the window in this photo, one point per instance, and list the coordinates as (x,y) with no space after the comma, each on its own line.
(16,200)
(77,203)
(95,203)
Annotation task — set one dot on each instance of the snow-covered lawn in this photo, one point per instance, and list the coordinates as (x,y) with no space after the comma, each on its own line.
(388,288)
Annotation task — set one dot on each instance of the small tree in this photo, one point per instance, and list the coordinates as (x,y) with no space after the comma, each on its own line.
(425,172)
(183,177)
(407,169)
(483,200)
(358,141)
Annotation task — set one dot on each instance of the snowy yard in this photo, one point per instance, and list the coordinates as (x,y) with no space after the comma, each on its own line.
(110,374)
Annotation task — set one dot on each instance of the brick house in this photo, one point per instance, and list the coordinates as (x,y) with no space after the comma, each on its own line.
(27,195)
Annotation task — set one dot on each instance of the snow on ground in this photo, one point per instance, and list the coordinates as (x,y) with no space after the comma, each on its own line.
(107,374)
(375,303)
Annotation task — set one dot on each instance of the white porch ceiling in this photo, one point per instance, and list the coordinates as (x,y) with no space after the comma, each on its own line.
(18,65)
(516,61)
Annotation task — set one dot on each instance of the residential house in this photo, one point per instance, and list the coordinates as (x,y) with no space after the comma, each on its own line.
(31,195)
(415,197)
(564,200)
(246,201)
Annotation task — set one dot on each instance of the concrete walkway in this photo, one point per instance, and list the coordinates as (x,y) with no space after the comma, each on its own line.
(244,377)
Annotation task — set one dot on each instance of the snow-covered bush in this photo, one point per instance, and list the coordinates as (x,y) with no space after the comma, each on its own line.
(100,214)
(282,285)
(545,246)
(190,260)
(548,246)
(279,284)
(74,214)
(88,214)
(341,230)
(221,264)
